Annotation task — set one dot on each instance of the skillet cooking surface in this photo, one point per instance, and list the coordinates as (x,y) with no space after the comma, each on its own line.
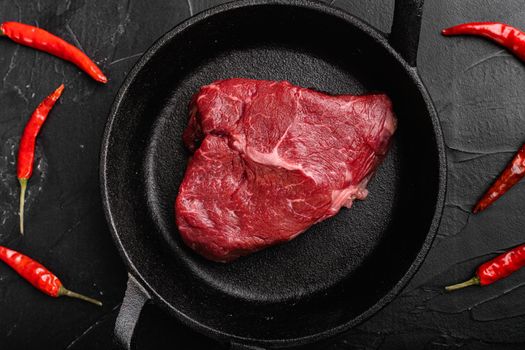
(327,252)
(339,268)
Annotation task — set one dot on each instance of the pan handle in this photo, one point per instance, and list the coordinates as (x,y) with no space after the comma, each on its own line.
(406,26)
(134,300)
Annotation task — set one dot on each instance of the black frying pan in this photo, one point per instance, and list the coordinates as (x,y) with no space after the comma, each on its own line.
(340,271)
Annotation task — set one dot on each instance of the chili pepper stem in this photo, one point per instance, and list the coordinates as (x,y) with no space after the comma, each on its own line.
(66,292)
(23,187)
(474,281)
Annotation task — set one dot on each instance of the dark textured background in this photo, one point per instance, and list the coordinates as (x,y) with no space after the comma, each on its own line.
(478,90)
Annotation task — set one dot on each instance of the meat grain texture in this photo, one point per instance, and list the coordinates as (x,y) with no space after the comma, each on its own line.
(271,159)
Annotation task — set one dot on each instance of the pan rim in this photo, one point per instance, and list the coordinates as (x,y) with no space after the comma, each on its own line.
(373,34)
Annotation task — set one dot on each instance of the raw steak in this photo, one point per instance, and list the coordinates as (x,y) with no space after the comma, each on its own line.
(271,159)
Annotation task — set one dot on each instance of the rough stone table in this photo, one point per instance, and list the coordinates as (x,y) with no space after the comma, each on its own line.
(478,89)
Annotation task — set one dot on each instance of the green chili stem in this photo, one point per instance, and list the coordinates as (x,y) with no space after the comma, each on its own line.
(474,281)
(63,291)
(23,186)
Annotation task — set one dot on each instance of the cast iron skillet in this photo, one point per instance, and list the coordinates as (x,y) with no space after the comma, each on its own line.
(340,271)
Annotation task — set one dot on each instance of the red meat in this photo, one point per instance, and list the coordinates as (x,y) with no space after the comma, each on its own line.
(271,159)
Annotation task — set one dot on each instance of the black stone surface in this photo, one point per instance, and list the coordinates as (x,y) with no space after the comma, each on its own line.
(478,90)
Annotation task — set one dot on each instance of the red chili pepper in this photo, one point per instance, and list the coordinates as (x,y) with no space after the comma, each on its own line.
(40,277)
(496,269)
(507,36)
(514,172)
(42,40)
(26,149)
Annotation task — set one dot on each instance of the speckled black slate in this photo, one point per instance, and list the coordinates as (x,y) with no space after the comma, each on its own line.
(477,89)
